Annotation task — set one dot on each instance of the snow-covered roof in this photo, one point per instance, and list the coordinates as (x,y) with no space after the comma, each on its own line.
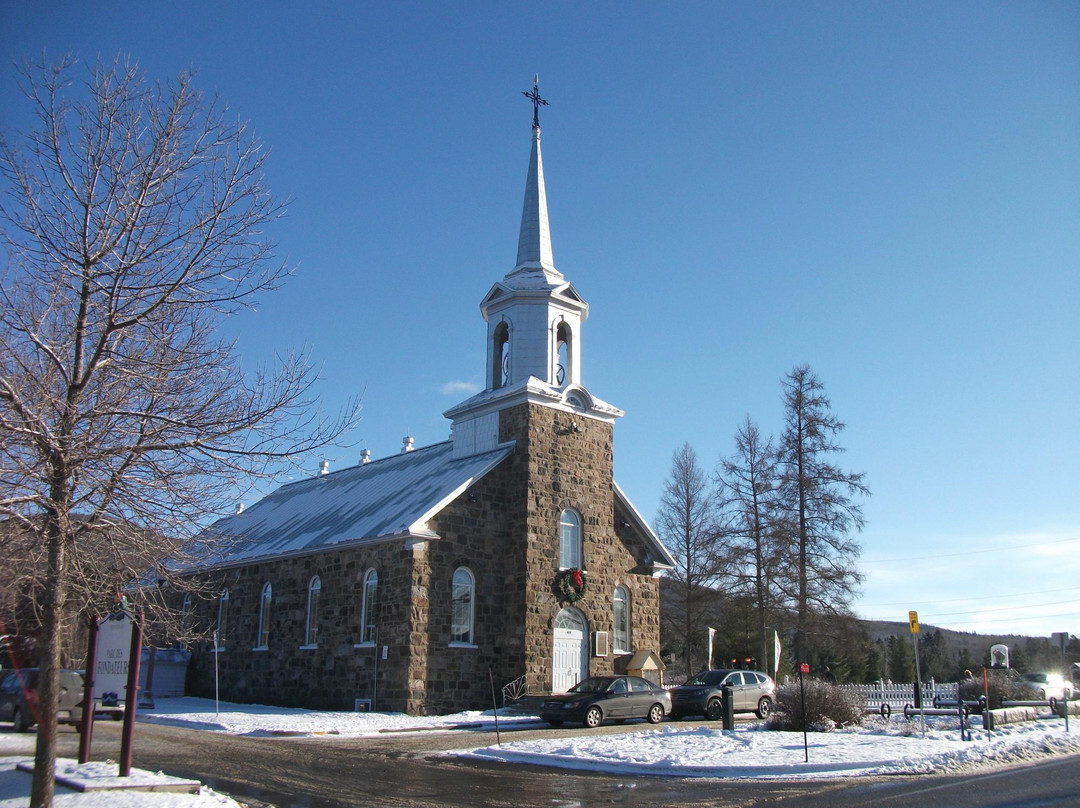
(386,499)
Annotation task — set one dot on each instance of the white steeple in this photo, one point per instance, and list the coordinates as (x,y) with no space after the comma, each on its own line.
(534,318)
(534,240)
(534,314)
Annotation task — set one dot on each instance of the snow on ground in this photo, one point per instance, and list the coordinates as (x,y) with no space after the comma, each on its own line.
(675,749)
(105,789)
(256,719)
(752,751)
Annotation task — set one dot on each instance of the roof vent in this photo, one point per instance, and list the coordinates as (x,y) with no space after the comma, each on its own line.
(324,468)
(365,456)
(406,444)
(239,508)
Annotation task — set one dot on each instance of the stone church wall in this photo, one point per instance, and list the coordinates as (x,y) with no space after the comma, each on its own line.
(570,465)
(505,530)
(340,669)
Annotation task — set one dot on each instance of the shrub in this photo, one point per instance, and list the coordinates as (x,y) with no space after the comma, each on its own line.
(827,707)
(1005,685)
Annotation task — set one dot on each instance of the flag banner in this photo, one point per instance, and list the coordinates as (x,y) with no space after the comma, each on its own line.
(776,653)
(712,633)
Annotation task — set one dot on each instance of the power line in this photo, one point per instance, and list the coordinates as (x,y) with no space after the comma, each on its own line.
(1004,608)
(930,619)
(968,552)
(906,603)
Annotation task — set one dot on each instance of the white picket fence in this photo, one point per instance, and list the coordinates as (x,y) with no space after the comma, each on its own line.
(897,695)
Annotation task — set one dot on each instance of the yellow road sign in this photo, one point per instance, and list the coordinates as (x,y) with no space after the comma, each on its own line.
(913,620)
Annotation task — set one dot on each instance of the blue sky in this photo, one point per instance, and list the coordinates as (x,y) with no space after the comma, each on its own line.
(889,192)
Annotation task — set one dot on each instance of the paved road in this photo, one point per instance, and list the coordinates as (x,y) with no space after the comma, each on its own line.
(407,770)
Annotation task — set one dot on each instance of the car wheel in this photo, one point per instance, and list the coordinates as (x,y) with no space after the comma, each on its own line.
(656,714)
(1042,694)
(764,707)
(555,723)
(21,725)
(714,710)
(593,717)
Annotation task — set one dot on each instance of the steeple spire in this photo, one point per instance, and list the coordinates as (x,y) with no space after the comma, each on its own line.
(534,240)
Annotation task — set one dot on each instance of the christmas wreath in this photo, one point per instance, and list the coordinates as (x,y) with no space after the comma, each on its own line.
(572,584)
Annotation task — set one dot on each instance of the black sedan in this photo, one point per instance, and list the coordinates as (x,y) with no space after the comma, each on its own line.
(599,698)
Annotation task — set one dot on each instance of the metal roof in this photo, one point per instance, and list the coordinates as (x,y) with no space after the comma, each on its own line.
(389,498)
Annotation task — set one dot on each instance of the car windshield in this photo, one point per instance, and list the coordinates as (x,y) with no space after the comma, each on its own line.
(594,684)
(708,678)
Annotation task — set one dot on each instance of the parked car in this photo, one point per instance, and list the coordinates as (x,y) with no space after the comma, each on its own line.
(18,697)
(600,698)
(1048,685)
(751,692)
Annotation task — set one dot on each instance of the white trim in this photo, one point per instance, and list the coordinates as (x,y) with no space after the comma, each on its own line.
(311,647)
(363,645)
(462,645)
(261,648)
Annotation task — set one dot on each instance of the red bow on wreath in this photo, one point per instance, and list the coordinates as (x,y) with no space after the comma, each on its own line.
(571,584)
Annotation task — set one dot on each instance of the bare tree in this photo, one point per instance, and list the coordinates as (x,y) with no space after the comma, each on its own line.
(818,498)
(132,219)
(750,484)
(687,523)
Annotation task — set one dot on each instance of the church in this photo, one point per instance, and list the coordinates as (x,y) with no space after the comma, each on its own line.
(421,582)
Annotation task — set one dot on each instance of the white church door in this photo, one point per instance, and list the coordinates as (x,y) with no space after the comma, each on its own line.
(569,659)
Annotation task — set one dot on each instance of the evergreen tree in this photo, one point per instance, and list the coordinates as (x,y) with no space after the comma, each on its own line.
(901,660)
(817,496)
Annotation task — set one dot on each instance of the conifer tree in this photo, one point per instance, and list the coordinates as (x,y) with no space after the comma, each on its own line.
(817,496)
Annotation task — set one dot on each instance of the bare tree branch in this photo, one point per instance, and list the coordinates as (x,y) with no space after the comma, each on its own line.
(132,219)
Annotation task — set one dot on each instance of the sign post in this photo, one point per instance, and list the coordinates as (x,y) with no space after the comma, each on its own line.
(113,658)
(804,668)
(86,722)
(1062,639)
(131,698)
(913,622)
(116,673)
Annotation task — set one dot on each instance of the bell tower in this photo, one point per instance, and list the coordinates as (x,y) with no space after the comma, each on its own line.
(534,319)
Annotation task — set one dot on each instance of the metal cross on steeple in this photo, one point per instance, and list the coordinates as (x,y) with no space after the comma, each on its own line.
(538,102)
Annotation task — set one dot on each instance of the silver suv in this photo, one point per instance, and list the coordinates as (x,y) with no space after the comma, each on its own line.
(19,699)
(751,692)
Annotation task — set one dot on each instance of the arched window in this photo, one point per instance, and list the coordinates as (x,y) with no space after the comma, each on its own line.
(311,633)
(264,616)
(370,608)
(185,618)
(621,609)
(222,619)
(563,352)
(461,624)
(569,540)
(500,356)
